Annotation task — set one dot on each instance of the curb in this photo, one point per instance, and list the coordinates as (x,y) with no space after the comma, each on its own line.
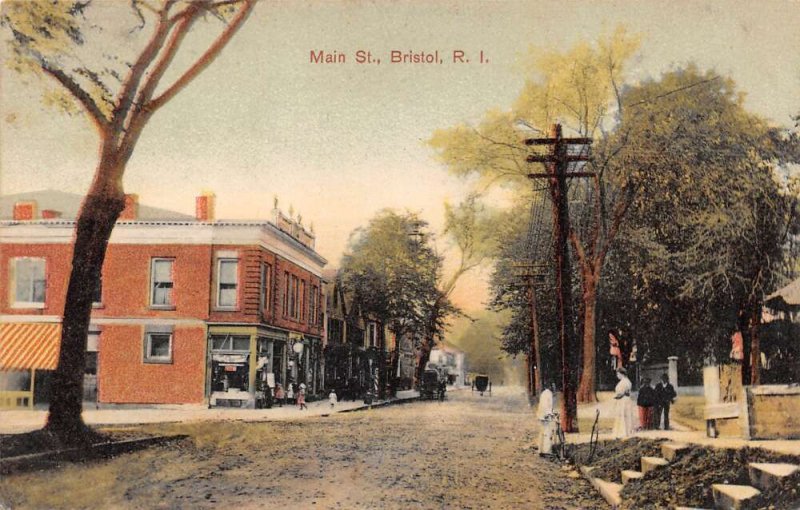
(385,403)
(42,460)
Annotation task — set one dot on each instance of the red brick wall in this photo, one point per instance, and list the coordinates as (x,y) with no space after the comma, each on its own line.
(123,376)
(281,267)
(126,280)
(250,260)
(57,266)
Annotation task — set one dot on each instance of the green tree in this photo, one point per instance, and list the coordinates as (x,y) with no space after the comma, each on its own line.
(511,293)
(709,220)
(119,97)
(580,88)
(395,278)
(470,227)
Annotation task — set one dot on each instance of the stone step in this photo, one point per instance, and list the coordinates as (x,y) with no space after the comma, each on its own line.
(610,491)
(651,463)
(629,474)
(672,451)
(765,475)
(735,497)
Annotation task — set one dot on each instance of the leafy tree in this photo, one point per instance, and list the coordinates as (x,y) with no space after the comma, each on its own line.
(395,278)
(582,89)
(706,229)
(510,292)
(470,227)
(119,97)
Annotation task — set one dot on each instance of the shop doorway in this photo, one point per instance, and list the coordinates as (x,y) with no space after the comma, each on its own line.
(230,371)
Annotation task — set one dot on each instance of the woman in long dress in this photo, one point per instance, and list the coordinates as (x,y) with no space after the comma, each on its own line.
(624,424)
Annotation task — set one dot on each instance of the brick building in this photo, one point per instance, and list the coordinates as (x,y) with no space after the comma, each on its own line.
(189,310)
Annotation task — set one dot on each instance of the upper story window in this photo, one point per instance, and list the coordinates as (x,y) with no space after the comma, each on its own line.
(313,313)
(227,283)
(29,282)
(265,297)
(287,291)
(161,283)
(303,301)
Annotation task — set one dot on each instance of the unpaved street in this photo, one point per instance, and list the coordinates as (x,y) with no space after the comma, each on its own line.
(467,452)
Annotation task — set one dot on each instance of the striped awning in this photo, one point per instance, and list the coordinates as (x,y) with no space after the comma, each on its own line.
(29,345)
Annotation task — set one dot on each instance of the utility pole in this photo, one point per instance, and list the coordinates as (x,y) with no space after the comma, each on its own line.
(529,272)
(556,164)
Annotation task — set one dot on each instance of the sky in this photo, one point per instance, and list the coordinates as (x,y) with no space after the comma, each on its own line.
(338,142)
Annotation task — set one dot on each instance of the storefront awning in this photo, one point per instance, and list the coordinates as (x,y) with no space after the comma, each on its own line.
(26,346)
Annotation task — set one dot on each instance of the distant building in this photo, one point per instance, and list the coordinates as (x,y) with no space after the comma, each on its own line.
(453,359)
(352,353)
(190,309)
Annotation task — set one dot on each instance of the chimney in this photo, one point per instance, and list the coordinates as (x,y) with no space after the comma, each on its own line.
(25,210)
(50,214)
(131,211)
(204,207)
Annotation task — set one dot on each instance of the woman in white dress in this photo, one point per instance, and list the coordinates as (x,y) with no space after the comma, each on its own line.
(624,424)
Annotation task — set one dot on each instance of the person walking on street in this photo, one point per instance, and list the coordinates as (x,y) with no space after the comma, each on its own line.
(280,395)
(333,398)
(646,401)
(665,396)
(290,392)
(301,398)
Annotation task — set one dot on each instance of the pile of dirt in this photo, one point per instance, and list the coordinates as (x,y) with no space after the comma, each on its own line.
(40,441)
(611,457)
(688,481)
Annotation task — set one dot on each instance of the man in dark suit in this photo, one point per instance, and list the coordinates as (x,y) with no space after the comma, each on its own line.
(665,396)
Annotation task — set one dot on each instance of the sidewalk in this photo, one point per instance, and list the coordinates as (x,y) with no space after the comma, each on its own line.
(680,433)
(20,421)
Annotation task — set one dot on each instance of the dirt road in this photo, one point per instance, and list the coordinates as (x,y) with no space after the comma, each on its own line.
(468,452)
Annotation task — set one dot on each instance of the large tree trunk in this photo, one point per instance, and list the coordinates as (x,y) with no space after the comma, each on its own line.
(98,214)
(586,388)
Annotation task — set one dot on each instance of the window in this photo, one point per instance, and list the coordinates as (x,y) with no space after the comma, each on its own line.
(161,283)
(97,295)
(228,283)
(265,297)
(158,344)
(286,293)
(295,296)
(29,282)
(230,343)
(303,300)
(313,313)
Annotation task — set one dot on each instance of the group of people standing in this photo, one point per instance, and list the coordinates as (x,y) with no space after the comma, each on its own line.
(290,396)
(653,403)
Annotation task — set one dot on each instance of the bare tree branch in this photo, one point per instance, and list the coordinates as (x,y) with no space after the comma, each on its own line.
(97,116)
(206,58)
